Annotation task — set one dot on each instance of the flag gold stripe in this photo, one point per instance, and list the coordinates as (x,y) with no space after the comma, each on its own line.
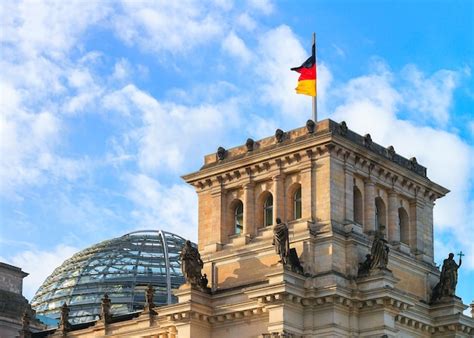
(306,87)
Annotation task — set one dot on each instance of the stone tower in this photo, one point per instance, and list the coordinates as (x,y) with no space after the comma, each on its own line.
(335,189)
(349,205)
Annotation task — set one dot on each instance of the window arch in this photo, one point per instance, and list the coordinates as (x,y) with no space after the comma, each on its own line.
(297,203)
(380,214)
(358,206)
(403,225)
(268,210)
(238,217)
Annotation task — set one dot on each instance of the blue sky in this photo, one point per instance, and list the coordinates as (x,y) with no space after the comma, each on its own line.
(104,105)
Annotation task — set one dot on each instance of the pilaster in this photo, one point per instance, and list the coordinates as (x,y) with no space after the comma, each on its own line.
(307,190)
(249,209)
(216,235)
(393,222)
(369,206)
(428,233)
(349,193)
(279,198)
(416,226)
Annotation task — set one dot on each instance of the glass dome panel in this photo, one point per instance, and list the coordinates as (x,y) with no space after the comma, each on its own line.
(121,267)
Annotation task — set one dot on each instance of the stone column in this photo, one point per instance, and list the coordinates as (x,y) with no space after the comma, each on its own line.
(322,189)
(428,230)
(249,209)
(349,193)
(393,223)
(369,206)
(221,232)
(278,198)
(306,192)
(416,226)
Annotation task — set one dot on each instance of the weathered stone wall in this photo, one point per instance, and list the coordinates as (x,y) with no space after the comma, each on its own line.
(11,278)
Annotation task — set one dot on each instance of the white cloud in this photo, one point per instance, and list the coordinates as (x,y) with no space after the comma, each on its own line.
(279,50)
(171,208)
(48,28)
(236,47)
(39,83)
(226,5)
(264,6)
(260,127)
(246,21)
(39,264)
(431,96)
(166,133)
(369,104)
(156,27)
(28,146)
(122,69)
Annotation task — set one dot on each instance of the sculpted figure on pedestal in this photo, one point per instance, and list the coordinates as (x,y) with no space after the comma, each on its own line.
(364,267)
(281,241)
(64,325)
(379,251)
(105,306)
(378,257)
(150,293)
(448,279)
(191,264)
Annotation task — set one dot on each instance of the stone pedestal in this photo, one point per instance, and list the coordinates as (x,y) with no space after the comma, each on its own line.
(448,318)
(192,319)
(379,304)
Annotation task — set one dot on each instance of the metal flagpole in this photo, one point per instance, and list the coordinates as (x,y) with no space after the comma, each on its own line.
(315,98)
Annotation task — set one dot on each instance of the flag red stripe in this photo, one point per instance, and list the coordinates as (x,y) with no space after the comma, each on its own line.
(307,73)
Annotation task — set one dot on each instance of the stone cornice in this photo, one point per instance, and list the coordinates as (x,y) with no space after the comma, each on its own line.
(451,324)
(298,142)
(287,157)
(385,172)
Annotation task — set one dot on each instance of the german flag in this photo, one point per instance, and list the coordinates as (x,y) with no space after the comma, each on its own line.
(307,79)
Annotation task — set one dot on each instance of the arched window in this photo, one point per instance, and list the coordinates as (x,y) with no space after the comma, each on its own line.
(403,224)
(380,214)
(358,214)
(268,210)
(297,204)
(238,218)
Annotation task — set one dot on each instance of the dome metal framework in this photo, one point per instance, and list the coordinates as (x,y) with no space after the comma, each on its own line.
(121,267)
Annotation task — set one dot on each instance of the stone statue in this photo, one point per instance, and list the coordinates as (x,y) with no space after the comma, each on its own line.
(150,292)
(64,325)
(25,331)
(105,314)
(149,305)
(343,128)
(448,278)
(364,267)
(310,126)
(250,144)
(379,251)
(221,152)
(367,140)
(279,135)
(191,264)
(203,281)
(281,240)
(294,261)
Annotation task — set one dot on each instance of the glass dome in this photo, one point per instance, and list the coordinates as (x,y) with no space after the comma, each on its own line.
(122,267)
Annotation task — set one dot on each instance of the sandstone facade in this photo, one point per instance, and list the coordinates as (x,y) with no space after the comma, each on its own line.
(335,189)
